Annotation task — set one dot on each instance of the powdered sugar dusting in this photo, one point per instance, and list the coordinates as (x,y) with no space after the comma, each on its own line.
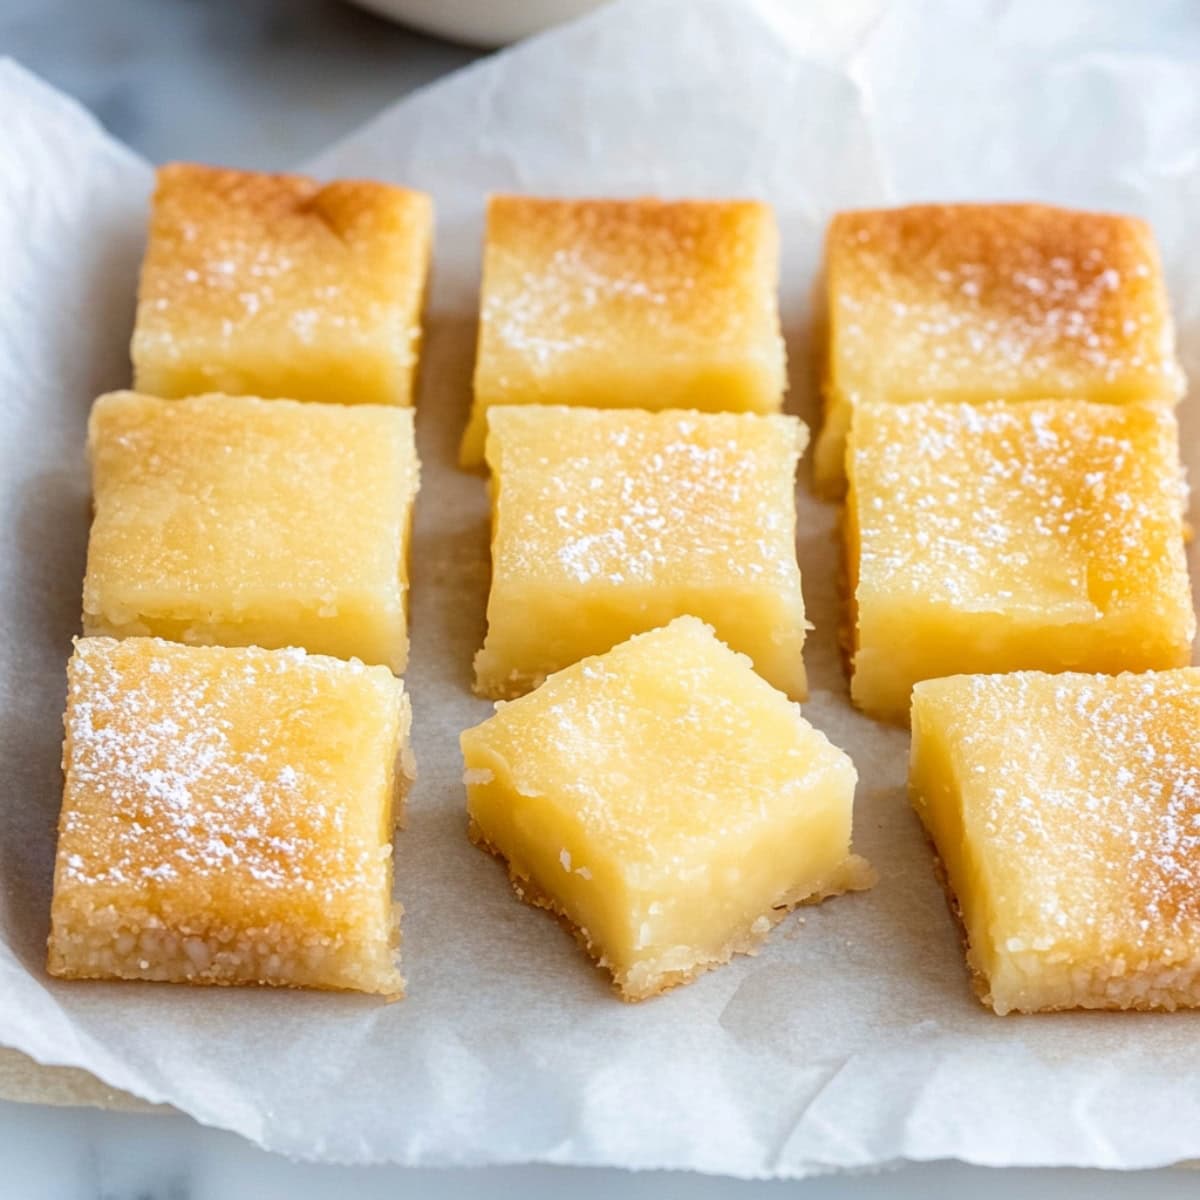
(562,307)
(1085,793)
(628,497)
(1058,510)
(174,778)
(971,301)
(610,522)
(244,270)
(569,279)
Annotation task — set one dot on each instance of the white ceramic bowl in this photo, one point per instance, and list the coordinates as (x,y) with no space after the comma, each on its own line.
(480,22)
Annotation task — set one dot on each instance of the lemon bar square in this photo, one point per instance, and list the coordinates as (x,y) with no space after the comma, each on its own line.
(970,302)
(628,303)
(607,523)
(666,801)
(227,818)
(240,521)
(1066,813)
(277,285)
(1041,535)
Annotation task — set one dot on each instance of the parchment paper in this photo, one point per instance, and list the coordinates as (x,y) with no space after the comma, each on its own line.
(852,1040)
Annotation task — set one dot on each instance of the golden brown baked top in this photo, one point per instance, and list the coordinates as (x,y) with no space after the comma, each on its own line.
(966,300)
(250,264)
(560,273)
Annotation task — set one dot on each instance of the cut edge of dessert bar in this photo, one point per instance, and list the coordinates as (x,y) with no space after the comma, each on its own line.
(641,982)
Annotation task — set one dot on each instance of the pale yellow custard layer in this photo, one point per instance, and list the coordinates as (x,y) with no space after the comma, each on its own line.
(666,801)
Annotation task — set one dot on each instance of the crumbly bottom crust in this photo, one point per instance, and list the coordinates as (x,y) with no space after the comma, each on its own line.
(133,944)
(855,874)
(136,946)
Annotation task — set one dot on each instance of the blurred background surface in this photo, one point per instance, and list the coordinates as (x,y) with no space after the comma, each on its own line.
(253,83)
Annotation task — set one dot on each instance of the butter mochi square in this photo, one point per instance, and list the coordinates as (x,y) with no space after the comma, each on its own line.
(610,522)
(665,801)
(628,303)
(227,818)
(1065,810)
(971,302)
(277,285)
(1004,536)
(239,521)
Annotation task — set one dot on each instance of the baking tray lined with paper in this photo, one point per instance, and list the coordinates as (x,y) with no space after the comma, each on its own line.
(852,1039)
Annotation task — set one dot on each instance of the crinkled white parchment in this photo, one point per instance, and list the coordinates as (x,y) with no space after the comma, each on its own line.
(852,1040)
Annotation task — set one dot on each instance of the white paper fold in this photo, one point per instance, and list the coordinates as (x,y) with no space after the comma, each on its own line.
(852,1040)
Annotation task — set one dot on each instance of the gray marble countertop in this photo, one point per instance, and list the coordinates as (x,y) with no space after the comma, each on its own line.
(254,83)
(265,83)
